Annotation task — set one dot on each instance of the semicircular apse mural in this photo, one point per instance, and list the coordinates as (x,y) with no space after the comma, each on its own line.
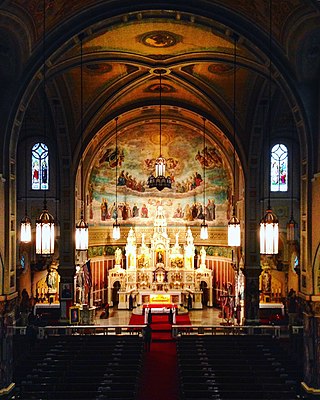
(186,158)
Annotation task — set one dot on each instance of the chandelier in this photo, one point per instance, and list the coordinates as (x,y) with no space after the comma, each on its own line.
(269,224)
(25,223)
(81,227)
(204,226)
(116,225)
(234,233)
(45,222)
(159,180)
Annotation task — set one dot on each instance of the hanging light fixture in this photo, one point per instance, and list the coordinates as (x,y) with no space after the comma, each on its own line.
(204,226)
(82,234)
(269,225)
(116,225)
(234,233)
(291,225)
(159,180)
(45,222)
(25,224)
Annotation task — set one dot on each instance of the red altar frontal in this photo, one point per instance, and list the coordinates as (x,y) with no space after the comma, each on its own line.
(158,308)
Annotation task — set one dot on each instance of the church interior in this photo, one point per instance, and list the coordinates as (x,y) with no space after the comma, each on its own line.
(160,162)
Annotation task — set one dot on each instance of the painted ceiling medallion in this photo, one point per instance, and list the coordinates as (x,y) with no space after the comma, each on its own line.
(155,88)
(160,39)
(220,68)
(98,68)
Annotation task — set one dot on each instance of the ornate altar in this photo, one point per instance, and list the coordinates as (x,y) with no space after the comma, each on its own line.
(160,268)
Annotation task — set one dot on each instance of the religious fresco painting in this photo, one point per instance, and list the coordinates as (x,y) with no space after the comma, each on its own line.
(134,161)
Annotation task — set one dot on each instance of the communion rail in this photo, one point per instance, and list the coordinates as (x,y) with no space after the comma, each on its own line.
(177,330)
(273,330)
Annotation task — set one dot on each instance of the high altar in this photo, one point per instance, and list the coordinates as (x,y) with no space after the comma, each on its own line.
(160,273)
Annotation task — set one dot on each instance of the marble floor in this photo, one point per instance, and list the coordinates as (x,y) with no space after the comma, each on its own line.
(207,316)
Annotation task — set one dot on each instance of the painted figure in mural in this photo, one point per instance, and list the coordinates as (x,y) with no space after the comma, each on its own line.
(197,179)
(200,214)
(118,256)
(178,213)
(124,212)
(187,213)
(104,209)
(144,211)
(211,210)
(194,211)
(114,211)
(121,179)
(135,211)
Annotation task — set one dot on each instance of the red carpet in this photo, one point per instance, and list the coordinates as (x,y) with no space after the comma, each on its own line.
(160,379)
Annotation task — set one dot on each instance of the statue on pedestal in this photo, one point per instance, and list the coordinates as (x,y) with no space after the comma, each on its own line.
(118,256)
(203,255)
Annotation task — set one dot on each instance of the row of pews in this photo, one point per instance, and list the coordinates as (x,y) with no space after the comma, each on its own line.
(235,367)
(80,367)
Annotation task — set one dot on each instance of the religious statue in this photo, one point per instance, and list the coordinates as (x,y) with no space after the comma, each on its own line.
(51,279)
(118,256)
(177,239)
(203,255)
(189,237)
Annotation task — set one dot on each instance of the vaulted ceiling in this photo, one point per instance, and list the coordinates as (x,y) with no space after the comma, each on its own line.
(126,43)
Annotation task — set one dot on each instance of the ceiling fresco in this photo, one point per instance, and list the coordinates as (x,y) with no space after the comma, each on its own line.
(186,158)
(123,45)
(257,11)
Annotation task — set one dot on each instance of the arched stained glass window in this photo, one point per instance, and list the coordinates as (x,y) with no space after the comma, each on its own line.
(279,168)
(40,167)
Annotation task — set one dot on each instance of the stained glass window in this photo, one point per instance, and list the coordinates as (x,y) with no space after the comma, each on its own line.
(40,167)
(279,168)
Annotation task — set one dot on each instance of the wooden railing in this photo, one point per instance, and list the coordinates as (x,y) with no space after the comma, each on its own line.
(177,330)
(55,330)
(274,330)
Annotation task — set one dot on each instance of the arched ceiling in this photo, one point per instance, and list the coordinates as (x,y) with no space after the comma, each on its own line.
(124,44)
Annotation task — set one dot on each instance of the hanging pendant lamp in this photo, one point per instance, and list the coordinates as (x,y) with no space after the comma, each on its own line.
(25,229)
(269,224)
(25,223)
(45,222)
(159,180)
(116,226)
(234,232)
(82,232)
(269,233)
(45,232)
(291,225)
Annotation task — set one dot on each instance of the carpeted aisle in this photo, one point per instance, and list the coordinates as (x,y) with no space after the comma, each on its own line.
(160,374)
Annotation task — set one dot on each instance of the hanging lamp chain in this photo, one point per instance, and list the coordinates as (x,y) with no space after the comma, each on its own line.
(269,90)
(44,89)
(81,128)
(204,169)
(160,111)
(116,119)
(234,120)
